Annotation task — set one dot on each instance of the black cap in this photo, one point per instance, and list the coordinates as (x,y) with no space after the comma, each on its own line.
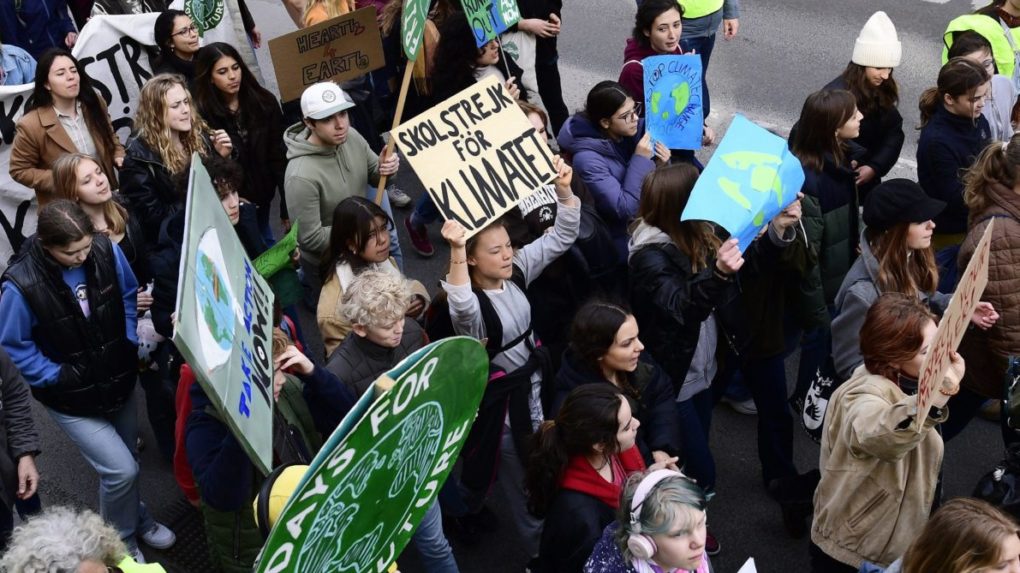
(899,201)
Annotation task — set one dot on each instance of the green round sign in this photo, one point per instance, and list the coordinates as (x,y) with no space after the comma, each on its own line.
(368,488)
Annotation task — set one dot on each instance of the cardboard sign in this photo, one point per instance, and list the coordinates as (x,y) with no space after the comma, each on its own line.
(673,113)
(371,483)
(477,154)
(953,325)
(114,51)
(750,179)
(340,49)
(224,324)
(490,18)
(412,26)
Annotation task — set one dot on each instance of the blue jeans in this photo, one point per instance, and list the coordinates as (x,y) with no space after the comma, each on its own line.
(425,211)
(108,445)
(695,420)
(436,555)
(703,47)
(948,271)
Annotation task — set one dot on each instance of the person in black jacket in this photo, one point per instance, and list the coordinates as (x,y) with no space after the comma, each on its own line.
(685,294)
(230,98)
(542,19)
(178,40)
(869,76)
(19,445)
(605,348)
(167,131)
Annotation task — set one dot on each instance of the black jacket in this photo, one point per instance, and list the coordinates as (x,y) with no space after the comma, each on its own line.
(655,402)
(98,362)
(19,437)
(148,187)
(572,526)
(359,361)
(881,139)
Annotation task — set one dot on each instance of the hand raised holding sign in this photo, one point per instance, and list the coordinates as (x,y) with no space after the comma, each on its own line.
(644,146)
(788,217)
(662,153)
(951,382)
(564,175)
(729,259)
(511,86)
(455,234)
(389,162)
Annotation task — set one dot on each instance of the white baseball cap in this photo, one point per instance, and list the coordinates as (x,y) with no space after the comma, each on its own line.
(323,99)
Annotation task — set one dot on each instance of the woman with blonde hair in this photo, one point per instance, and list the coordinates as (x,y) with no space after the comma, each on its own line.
(318,11)
(167,131)
(965,536)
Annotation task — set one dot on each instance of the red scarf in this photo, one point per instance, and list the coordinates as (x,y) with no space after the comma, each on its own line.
(1010,20)
(581,476)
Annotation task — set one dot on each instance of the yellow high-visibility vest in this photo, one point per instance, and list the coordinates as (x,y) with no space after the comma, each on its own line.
(699,8)
(991,29)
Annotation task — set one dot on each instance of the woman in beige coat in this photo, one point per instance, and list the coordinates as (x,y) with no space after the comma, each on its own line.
(63,115)
(878,472)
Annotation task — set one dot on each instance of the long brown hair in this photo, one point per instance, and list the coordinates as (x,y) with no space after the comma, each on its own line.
(958,77)
(664,195)
(824,112)
(588,418)
(65,185)
(900,268)
(893,332)
(998,163)
(871,98)
(964,536)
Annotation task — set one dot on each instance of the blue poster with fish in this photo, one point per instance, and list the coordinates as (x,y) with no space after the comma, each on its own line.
(673,110)
(750,179)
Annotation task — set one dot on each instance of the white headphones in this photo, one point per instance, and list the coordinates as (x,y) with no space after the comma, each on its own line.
(641,546)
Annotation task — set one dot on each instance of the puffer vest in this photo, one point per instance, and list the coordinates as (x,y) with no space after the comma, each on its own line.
(96,348)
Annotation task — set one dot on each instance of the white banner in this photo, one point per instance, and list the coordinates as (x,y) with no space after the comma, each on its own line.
(114,50)
(220,21)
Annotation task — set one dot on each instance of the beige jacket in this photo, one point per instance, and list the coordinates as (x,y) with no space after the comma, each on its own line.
(878,473)
(332,324)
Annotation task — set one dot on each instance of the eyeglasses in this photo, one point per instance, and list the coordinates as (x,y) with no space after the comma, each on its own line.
(192,29)
(633,115)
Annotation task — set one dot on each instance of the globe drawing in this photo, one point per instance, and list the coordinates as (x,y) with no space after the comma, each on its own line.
(214,302)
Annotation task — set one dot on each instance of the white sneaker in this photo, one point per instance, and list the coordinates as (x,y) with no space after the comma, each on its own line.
(398,198)
(136,554)
(159,536)
(745,407)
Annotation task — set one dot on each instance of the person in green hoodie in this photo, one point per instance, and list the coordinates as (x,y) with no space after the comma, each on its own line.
(327,162)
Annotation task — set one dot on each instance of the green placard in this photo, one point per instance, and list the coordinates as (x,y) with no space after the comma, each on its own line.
(224,325)
(278,256)
(412,26)
(371,483)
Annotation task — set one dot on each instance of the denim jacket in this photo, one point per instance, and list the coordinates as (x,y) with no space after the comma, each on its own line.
(18,66)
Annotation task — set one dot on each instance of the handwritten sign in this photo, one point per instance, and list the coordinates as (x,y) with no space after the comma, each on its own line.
(490,18)
(477,154)
(750,179)
(340,49)
(372,482)
(953,325)
(224,324)
(673,113)
(412,26)
(114,51)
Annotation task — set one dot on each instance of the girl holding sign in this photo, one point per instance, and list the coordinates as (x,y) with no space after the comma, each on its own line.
(486,265)
(870,446)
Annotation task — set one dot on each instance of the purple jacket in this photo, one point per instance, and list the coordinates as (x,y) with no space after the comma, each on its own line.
(611,170)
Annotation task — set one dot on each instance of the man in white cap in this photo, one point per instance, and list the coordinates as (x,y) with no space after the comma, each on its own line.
(328,161)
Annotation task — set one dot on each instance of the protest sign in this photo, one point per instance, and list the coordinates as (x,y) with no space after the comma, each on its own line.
(477,154)
(953,325)
(278,256)
(750,179)
(673,113)
(340,49)
(115,53)
(371,483)
(490,18)
(224,325)
(412,27)
(220,21)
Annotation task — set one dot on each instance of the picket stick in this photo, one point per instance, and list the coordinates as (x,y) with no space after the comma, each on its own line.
(404,84)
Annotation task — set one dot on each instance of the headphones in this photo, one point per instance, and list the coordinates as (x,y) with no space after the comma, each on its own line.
(641,546)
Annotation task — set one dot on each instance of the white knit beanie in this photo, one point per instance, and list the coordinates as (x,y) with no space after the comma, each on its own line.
(877,45)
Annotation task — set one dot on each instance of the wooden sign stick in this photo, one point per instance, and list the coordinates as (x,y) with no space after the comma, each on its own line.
(404,84)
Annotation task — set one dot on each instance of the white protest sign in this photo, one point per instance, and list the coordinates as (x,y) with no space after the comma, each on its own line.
(476,154)
(953,325)
(114,50)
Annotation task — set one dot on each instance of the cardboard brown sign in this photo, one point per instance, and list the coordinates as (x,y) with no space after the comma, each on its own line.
(340,49)
(477,154)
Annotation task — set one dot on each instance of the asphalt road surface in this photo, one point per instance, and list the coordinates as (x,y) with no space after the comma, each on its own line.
(785,50)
